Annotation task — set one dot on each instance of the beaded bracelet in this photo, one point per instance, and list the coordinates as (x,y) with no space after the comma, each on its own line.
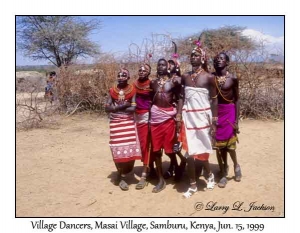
(215,118)
(178,117)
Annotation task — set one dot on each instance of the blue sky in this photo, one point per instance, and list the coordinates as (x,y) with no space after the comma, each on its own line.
(118,32)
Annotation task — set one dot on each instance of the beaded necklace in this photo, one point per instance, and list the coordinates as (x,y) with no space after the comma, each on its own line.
(194,76)
(220,81)
(122,93)
(162,81)
(142,86)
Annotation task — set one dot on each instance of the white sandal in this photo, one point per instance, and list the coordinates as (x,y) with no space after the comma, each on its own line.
(190,192)
(211,182)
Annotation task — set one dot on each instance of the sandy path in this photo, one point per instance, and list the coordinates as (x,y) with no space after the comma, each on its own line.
(67,171)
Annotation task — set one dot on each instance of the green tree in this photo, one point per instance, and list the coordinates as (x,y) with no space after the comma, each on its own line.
(228,38)
(58,39)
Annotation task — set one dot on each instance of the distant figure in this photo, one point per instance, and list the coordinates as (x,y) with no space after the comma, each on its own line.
(124,143)
(50,87)
(228,117)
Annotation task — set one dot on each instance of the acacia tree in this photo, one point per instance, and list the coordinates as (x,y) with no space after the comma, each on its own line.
(227,38)
(58,39)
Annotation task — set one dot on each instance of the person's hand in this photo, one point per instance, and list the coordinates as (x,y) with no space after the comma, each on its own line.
(213,130)
(236,128)
(115,108)
(123,105)
(177,147)
(126,104)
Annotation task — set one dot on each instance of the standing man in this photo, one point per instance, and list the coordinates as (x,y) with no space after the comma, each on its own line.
(124,143)
(143,106)
(199,117)
(174,168)
(228,116)
(163,112)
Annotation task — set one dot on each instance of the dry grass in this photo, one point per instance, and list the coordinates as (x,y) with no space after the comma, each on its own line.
(261,92)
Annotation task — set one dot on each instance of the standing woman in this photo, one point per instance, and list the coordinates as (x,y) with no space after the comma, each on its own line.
(124,143)
(143,101)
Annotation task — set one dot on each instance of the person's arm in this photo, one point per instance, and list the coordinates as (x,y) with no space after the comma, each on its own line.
(177,89)
(214,103)
(213,96)
(109,105)
(180,104)
(237,102)
(152,93)
(132,106)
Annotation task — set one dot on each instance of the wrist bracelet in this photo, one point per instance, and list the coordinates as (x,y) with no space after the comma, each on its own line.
(178,117)
(214,119)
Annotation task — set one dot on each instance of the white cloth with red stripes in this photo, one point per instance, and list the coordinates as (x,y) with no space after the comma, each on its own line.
(197,118)
(124,142)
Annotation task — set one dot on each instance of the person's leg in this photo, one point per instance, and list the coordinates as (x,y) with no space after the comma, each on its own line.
(222,155)
(168,141)
(225,161)
(233,157)
(127,167)
(161,182)
(180,169)
(142,183)
(237,168)
(173,166)
(152,172)
(199,168)
(220,162)
(123,169)
(143,134)
(191,171)
(192,177)
(211,177)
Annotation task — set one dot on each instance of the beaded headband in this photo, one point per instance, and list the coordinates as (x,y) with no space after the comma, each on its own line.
(122,70)
(199,49)
(146,67)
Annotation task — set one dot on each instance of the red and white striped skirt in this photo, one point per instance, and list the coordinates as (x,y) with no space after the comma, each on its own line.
(124,142)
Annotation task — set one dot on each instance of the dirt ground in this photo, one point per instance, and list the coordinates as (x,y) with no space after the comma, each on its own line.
(67,171)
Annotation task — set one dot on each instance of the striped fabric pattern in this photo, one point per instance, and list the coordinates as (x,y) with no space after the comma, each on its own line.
(124,143)
(196,115)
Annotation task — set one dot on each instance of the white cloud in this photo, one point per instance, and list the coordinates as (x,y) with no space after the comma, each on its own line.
(273,43)
(258,36)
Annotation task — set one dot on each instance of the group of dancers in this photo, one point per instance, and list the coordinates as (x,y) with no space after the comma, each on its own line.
(196,112)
